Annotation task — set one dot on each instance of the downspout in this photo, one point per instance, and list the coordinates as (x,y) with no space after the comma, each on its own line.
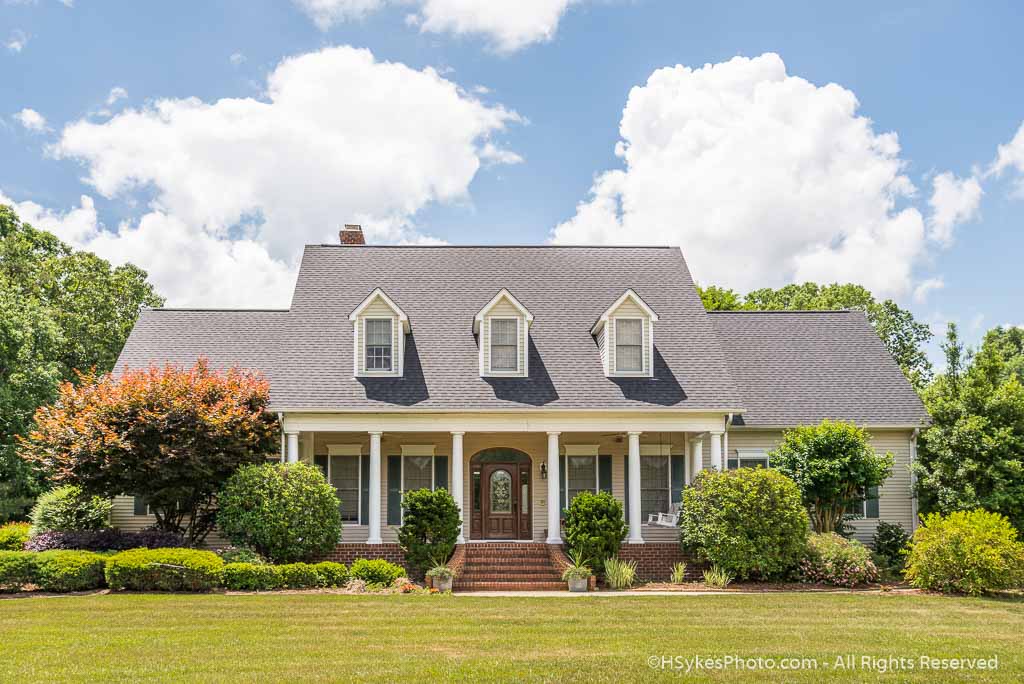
(280,422)
(913,479)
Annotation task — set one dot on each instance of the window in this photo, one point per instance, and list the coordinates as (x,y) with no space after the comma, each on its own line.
(866,507)
(629,333)
(654,485)
(343,474)
(580,476)
(748,458)
(504,344)
(417,473)
(140,506)
(378,344)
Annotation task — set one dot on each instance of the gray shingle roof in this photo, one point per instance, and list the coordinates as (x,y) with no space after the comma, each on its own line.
(795,368)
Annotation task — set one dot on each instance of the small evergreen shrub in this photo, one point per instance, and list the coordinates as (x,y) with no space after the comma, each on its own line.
(377,571)
(331,574)
(286,513)
(594,526)
(61,571)
(891,543)
(749,522)
(17,568)
(164,570)
(717,578)
(105,540)
(831,559)
(13,536)
(619,574)
(430,527)
(298,576)
(251,577)
(68,509)
(967,552)
(240,554)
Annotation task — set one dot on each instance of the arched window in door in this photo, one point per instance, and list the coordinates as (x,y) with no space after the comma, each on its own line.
(501,491)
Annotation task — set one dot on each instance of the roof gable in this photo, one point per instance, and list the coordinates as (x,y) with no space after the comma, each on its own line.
(503,294)
(628,295)
(381,295)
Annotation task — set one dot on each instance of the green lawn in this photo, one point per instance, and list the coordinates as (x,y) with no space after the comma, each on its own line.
(595,638)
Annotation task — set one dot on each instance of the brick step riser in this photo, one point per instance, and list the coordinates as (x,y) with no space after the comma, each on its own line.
(507,554)
(511,586)
(505,563)
(476,579)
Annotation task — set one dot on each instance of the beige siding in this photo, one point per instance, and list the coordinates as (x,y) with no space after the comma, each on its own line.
(503,308)
(122,516)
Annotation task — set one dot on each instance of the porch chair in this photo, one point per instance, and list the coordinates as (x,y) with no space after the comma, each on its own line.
(670,519)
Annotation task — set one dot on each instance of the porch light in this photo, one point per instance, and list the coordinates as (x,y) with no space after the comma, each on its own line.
(543,471)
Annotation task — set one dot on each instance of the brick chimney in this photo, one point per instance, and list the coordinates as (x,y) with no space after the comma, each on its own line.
(351,234)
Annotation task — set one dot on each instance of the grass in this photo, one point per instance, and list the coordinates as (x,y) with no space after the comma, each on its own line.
(322,637)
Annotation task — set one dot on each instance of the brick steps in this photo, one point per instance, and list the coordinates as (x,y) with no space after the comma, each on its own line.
(509,586)
(508,567)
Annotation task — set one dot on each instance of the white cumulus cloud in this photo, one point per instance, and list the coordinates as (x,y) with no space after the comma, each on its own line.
(31,120)
(17,41)
(239,185)
(926,287)
(762,177)
(116,93)
(1011,156)
(953,201)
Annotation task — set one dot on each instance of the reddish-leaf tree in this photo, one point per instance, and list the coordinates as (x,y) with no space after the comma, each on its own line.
(169,435)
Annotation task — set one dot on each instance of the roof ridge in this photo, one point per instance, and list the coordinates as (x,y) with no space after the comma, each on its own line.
(785,311)
(213,309)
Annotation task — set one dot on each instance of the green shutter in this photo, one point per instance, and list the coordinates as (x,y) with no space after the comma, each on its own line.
(394,490)
(872,503)
(321,463)
(364,486)
(625,471)
(561,486)
(440,472)
(678,478)
(604,474)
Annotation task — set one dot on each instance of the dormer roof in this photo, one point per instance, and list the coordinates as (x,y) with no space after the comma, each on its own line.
(628,295)
(502,294)
(379,293)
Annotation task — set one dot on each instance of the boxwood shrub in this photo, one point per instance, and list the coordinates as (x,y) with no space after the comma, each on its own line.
(298,576)
(430,527)
(61,571)
(14,535)
(594,527)
(104,540)
(68,509)
(251,577)
(17,568)
(164,570)
(331,574)
(377,571)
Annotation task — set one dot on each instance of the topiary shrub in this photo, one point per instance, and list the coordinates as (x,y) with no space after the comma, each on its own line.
(68,509)
(164,570)
(17,568)
(891,544)
(831,559)
(331,574)
(377,571)
(298,576)
(251,577)
(14,536)
(105,540)
(594,527)
(430,527)
(966,552)
(287,513)
(748,522)
(61,571)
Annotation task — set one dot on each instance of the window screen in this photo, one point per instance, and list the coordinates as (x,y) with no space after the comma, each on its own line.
(418,473)
(378,344)
(581,475)
(504,344)
(345,479)
(629,344)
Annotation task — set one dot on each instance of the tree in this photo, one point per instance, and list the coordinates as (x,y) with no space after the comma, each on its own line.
(60,311)
(834,465)
(901,334)
(169,435)
(972,456)
(430,527)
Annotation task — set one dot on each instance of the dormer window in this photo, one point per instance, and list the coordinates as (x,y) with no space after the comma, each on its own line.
(625,337)
(379,327)
(503,330)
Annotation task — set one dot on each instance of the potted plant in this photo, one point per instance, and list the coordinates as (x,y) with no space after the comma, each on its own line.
(577,573)
(441,577)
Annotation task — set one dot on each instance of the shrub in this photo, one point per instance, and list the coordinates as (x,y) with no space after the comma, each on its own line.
(68,509)
(105,540)
(890,543)
(377,571)
(331,574)
(594,526)
(251,577)
(286,513)
(14,535)
(750,523)
(831,559)
(678,573)
(717,578)
(619,574)
(17,568)
(240,554)
(298,576)
(968,552)
(430,527)
(61,571)
(164,570)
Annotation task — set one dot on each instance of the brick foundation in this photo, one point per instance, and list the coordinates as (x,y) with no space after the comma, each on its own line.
(346,553)
(654,561)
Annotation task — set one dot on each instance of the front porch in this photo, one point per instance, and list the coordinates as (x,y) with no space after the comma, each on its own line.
(510,484)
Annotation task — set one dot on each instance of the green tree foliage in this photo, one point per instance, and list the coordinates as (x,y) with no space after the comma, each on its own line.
(61,311)
(594,527)
(430,527)
(68,509)
(834,465)
(972,456)
(903,336)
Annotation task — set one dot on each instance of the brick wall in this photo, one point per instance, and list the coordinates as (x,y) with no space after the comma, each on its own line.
(654,561)
(346,553)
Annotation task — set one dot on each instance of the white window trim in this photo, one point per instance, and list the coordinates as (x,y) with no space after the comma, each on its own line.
(359,482)
(519,348)
(395,361)
(565,469)
(358,319)
(750,453)
(645,342)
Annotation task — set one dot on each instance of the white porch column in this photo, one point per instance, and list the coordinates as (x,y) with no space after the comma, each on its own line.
(554,502)
(697,453)
(635,535)
(374,537)
(457,482)
(716,451)
(293,446)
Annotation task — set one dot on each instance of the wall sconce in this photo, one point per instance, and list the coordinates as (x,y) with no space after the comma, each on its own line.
(543,471)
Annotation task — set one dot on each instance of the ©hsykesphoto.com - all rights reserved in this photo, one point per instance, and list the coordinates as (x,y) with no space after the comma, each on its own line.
(850,662)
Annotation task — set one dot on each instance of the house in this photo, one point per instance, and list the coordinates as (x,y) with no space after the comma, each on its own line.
(517,377)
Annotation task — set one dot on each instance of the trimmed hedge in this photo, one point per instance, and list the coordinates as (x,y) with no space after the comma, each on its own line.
(256,577)
(61,571)
(164,570)
(331,574)
(14,535)
(298,576)
(68,509)
(377,571)
(105,540)
(251,577)
(831,559)
(17,568)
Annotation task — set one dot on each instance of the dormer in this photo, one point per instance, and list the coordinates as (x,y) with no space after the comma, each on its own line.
(379,328)
(503,330)
(625,337)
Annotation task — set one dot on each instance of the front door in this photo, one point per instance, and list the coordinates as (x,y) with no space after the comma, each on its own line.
(505,493)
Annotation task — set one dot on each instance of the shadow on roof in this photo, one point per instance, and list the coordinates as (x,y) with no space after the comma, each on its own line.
(535,390)
(405,391)
(663,389)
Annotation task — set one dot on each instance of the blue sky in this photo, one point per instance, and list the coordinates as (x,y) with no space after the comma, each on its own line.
(493,126)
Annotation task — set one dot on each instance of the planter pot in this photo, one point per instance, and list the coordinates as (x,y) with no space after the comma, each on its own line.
(443,583)
(579,585)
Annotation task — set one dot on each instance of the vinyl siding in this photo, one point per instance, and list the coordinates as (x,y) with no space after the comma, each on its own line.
(503,308)
(122,516)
